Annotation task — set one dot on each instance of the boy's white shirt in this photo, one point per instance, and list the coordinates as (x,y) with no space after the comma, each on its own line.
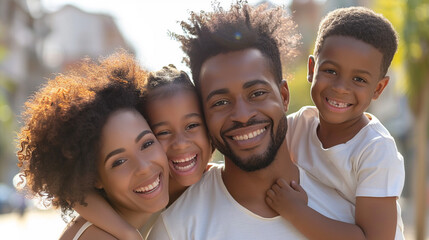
(367,165)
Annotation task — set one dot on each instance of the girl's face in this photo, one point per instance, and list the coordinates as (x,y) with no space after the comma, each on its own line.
(178,124)
(133,169)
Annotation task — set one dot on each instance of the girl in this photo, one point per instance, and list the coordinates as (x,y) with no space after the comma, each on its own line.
(83,133)
(174,113)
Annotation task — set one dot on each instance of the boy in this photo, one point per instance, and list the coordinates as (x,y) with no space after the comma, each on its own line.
(339,144)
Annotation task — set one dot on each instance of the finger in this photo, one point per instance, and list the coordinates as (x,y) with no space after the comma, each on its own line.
(282,182)
(271,193)
(269,201)
(276,188)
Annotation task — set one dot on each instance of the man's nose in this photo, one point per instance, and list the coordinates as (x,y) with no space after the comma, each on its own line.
(242,111)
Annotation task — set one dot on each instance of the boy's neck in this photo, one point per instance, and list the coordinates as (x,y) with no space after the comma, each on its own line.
(334,134)
(249,188)
(175,190)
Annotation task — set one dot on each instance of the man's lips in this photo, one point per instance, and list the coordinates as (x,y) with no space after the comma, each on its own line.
(249,135)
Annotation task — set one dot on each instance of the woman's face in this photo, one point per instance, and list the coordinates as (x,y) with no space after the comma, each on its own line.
(133,168)
(178,124)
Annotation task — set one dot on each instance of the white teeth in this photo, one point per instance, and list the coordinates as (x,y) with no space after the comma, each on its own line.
(249,135)
(185,168)
(184,160)
(149,187)
(337,104)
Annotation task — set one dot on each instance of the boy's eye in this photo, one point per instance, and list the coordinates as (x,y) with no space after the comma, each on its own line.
(358,79)
(192,125)
(118,162)
(146,144)
(220,103)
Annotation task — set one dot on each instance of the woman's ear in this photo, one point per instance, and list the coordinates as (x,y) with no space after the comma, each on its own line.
(284,92)
(98,184)
(310,68)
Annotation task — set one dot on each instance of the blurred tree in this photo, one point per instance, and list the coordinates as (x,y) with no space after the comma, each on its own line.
(416,38)
(414,50)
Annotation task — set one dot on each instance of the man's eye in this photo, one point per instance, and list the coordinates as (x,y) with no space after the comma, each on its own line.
(258,93)
(220,103)
(147,144)
(192,125)
(118,162)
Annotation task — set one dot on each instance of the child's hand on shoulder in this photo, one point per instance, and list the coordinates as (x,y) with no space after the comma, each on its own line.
(286,198)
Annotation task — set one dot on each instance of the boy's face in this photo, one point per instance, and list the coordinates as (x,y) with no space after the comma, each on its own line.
(244,107)
(344,78)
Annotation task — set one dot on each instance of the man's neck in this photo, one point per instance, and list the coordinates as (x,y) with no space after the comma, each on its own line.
(249,188)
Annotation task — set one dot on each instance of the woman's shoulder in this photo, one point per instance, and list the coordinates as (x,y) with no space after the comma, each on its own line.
(90,231)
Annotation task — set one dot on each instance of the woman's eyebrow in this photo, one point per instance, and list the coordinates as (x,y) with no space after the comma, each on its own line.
(142,135)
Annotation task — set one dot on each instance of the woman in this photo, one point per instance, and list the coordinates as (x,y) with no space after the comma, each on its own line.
(83,132)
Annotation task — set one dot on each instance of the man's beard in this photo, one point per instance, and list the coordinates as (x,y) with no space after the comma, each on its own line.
(256,162)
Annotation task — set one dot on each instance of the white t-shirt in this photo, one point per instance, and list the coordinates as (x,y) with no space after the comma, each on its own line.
(207,211)
(367,165)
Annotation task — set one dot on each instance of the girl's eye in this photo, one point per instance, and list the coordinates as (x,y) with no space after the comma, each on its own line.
(192,125)
(258,93)
(220,103)
(118,162)
(358,79)
(161,133)
(146,144)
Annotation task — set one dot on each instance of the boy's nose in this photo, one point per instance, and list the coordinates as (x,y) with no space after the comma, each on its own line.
(180,142)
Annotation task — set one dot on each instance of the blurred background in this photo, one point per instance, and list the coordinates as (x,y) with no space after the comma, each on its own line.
(41,37)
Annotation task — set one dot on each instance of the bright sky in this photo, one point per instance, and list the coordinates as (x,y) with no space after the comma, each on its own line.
(145,23)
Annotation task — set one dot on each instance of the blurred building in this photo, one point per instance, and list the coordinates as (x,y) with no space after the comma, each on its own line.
(34,44)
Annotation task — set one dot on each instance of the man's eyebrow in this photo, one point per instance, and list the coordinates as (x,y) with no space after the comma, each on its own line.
(217,92)
(254,82)
(114,152)
(142,135)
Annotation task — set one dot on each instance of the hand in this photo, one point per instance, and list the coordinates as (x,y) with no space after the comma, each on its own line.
(286,199)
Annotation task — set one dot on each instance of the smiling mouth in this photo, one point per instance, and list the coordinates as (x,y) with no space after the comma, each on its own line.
(249,135)
(150,187)
(338,104)
(185,164)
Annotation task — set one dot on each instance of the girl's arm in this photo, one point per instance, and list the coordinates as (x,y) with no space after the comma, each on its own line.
(100,213)
(375,217)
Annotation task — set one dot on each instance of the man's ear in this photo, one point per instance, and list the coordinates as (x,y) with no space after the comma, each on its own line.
(381,85)
(284,92)
(310,68)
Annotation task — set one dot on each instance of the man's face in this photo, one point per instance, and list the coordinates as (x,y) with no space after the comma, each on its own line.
(244,107)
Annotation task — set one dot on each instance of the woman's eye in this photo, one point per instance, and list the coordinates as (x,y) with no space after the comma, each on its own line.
(118,162)
(330,71)
(220,103)
(192,125)
(147,144)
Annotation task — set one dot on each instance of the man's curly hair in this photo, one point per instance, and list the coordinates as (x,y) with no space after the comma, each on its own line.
(59,142)
(207,34)
(363,24)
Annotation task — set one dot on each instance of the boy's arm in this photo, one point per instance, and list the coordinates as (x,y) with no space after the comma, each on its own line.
(100,213)
(375,217)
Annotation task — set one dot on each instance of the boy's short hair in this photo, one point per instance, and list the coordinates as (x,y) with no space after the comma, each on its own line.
(363,24)
(208,34)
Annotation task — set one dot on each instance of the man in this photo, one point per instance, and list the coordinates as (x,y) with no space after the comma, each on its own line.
(235,62)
